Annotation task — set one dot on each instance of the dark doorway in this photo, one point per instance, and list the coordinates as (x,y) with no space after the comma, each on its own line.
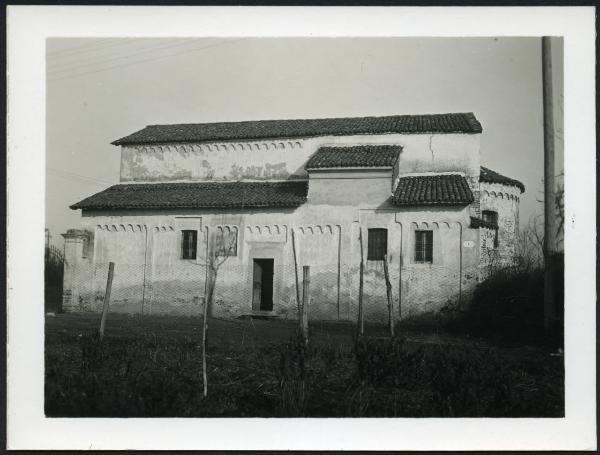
(262,285)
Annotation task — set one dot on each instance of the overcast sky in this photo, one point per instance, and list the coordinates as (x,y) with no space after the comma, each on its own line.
(99,90)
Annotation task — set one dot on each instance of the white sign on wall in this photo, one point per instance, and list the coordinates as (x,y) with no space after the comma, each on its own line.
(469,244)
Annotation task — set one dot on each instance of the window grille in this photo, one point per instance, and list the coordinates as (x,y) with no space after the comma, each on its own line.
(424,246)
(189,240)
(377,244)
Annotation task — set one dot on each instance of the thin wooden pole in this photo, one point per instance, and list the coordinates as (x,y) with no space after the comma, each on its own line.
(549,215)
(109,280)
(339,269)
(207,303)
(388,287)
(144,271)
(361,322)
(460,264)
(305,300)
(400,278)
(296,275)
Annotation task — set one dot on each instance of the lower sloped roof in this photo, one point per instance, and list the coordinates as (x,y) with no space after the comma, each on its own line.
(489,176)
(354,156)
(445,189)
(198,195)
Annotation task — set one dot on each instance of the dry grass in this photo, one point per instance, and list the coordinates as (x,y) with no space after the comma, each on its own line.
(151,366)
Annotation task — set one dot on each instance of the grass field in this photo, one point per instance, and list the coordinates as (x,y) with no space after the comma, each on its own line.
(151,367)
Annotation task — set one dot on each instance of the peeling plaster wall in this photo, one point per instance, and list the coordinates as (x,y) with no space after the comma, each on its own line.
(371,188)
(503,199)
(150,275)
(285,158)
(149,271)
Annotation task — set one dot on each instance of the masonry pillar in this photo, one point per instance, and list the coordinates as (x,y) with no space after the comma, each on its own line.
(475,207)
(74,286)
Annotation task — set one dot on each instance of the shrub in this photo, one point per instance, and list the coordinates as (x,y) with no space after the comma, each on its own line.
(157,372)
(437,380)
(510,304)
(292,376)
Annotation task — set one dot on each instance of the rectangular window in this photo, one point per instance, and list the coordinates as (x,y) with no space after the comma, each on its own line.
(424,246)
(226,241)
(86,247)
(189,241)
(491,217)
(377,244)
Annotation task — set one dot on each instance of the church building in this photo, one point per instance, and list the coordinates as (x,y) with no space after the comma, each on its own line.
(258,200)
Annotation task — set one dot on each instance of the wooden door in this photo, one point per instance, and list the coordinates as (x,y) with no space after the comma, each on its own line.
(256,285)
(266,293)
(262,285)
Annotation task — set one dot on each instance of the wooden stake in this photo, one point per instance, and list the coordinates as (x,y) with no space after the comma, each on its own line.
(305,300)
(549,188)
(400,282)
(361,322)
(207,303)
(388,287)
(296,274)
(111,269)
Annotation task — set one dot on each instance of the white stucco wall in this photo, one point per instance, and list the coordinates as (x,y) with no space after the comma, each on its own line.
(146,249)
(370,188)
(285,158)
(146,245)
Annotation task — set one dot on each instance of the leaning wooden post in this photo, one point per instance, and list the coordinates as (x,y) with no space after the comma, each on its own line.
(111,269)
(388,287)
(305,300)
(296,275)
(361,322)
(207,303)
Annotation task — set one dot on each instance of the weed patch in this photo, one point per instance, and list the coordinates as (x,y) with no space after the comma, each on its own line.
(137,372)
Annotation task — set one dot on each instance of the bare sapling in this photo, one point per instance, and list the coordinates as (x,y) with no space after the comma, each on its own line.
(220,248)
(109,280)
(388,287)
(210,288)
(361,323)
(298,301)
(305,301)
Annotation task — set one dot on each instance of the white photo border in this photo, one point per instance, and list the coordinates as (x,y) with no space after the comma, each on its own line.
(27,30)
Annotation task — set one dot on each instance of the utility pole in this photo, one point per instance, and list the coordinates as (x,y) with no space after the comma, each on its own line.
(549,189)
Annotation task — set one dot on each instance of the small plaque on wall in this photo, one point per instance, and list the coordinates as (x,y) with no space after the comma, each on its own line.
(469,244)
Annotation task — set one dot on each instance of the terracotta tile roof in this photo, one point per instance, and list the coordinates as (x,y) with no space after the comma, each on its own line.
(489,176)
(355,156)
(264,129)
(198,195)
(447,189)
(480,223)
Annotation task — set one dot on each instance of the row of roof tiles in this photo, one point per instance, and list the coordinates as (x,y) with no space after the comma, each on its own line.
(354,156)
(428,190)
(489,176)
(198,195)
(266,129)
(447,189)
